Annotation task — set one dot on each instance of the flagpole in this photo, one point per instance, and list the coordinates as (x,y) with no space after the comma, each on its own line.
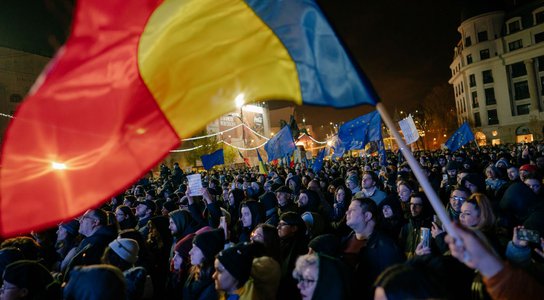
(418,172)
(476,144)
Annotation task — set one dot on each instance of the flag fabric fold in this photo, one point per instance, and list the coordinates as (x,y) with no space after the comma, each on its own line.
(409,130)
(281,145)
(213,159)
(245,159)
(262,166)
(133,79)
(459,138)
(356,133)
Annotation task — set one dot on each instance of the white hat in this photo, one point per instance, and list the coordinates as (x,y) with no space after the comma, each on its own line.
(127,249)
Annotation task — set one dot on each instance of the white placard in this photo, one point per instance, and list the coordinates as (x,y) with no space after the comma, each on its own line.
(195,184)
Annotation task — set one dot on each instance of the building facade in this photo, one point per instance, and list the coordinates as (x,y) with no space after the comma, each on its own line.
(497,74)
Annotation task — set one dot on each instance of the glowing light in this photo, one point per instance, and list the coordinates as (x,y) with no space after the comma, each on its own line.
(239,100)
(329,143)
(140,131)
(58,166)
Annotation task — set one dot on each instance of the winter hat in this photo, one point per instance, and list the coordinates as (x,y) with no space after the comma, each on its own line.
(283,189)
(127,249)
(210,242)
(475,179)
(30,275)
(452,165)
(529,168)
(238,260)
(328,244)
(292,218)
(104,282)
(9,255)
(269,201)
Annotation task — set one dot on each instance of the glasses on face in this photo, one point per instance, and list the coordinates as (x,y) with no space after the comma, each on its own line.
(305,281)
(457,198)
(5,288)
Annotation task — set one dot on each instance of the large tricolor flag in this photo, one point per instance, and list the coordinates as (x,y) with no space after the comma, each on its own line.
(137,76)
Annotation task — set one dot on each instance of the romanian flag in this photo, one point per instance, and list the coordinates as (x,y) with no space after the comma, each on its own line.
(245,159)
(137,76)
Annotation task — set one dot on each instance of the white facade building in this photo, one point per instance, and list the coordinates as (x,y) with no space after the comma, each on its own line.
(498,74)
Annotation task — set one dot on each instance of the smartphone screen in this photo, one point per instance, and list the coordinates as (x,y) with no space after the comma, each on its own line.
(529,235)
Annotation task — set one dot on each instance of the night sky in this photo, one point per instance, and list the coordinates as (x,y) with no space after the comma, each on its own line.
(404,47)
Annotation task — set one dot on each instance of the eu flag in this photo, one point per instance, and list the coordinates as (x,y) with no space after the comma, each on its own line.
(462,136)
(282,144)
(318,163)
(213,159)
(355,134)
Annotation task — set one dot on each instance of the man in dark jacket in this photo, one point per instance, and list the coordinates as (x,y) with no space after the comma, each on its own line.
(93,226)
(367,251)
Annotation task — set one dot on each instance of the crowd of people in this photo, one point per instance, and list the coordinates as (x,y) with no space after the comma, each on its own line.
(353,230)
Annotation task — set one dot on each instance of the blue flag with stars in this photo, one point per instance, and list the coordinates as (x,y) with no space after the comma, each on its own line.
(281,145)
(462,136)
(355,134)
(213,159)
(318,163)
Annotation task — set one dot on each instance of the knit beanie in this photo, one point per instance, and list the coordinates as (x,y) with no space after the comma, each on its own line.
(28,274)
(127,249)
(328,244)
(210,242)
(71,227)
(238,260)
(9,255)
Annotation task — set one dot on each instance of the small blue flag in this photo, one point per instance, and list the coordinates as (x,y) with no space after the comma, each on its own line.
(462,136)
(318,163)
(213,159)
(355,134)
(281,145)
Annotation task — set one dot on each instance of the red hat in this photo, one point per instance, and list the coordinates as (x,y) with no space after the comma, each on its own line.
(529,168)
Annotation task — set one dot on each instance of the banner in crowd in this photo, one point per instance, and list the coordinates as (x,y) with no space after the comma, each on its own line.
(245,159)
(459,138)
(213,159)
(132,80)
(409,130)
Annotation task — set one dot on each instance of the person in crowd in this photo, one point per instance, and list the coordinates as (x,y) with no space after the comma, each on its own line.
(269,201)
(27,279)
(352,183)
(405,189)
(267,235)
(180,223)
(534,182)
(285,202)
(370,188)
(420,217)
(68,239)
(321,277)
(251,214)
(494,181)
(123,254)
(232,271)
(97,282)
(391,218)
(125,217)
(145,210)
(159,242)
(199,283)
(308,201)
(293,242)
(513,173)
(501,280)
(342,198)
(526,170)
(97,236)
(366,251)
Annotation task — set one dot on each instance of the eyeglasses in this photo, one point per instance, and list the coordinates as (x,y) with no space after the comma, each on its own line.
(457,198)
(4,288)
(305,281)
